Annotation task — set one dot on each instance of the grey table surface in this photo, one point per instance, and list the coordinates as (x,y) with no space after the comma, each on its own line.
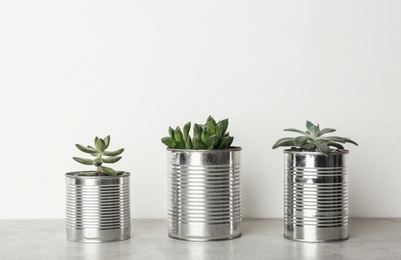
(261,239)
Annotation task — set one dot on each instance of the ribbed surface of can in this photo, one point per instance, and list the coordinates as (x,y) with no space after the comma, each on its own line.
(98,208)
(204,194)
(315,196)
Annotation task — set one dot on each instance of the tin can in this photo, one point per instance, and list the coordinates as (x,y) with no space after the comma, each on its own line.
(98,208)
(315,196)
(204,194)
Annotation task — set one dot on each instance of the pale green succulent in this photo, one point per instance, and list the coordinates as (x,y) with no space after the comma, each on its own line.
(211,135)
(313,139)
(98,151)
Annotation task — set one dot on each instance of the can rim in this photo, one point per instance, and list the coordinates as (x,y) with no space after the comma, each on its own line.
(316,153)
(231,148)
(74,175)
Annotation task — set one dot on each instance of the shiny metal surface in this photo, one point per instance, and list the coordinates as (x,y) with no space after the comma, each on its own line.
(204,194)
(315,196)
(98,208)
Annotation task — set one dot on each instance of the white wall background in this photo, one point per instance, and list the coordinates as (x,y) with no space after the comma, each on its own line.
(70,70)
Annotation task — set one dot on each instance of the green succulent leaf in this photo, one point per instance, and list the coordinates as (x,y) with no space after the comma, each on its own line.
(224,126)
(83,160)
(314,131)
(93,154)
(204,136)
(186,129)
(286,141)
(199,145)
(324,148)
(112,159)
(326,131)
(198,131)
(100,145)
(113,153)
(349,141)
(210,119)
(169,142)
(332,139)
(295,130)
(211,129)
(218,131)
(106,141)
(171,132)
(309,146)
(120,172)
(178,136)
(309,125)
(86,149)
(188,144)
(230,141)
(300,141)
(226,142)
(179,145)
(211,141)
(107,170)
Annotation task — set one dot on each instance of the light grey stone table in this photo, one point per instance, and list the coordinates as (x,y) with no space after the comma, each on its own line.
(261,239)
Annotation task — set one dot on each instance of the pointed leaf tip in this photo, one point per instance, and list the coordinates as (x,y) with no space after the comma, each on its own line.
(100,145)
(169,142)
(106,141)
(309,124)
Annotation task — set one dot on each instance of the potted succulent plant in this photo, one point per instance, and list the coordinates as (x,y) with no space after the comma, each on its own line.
(204,190)
(98,201)
(315,185)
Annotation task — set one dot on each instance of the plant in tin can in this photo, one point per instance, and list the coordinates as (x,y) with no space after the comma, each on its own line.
(313,140)
(99,151)
(211,135)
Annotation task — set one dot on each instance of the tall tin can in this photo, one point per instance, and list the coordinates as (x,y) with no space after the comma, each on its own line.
(204,194)
(315,196)
(98,208)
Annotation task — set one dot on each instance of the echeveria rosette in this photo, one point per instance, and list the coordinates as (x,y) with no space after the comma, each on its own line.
(99,151)
(313,139)
(211,135)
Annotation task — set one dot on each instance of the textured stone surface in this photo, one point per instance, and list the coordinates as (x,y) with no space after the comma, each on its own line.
(261,239)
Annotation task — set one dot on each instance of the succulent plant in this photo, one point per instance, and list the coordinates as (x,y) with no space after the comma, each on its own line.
(98,151)
(313,139)
(211,135)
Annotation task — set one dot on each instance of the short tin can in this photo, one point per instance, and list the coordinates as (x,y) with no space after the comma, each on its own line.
(98,208)
(315,196)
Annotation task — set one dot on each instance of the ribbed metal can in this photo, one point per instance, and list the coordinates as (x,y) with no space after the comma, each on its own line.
(315,196)
(98,208)
(204,194)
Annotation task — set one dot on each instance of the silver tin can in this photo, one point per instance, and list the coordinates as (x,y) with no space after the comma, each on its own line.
(204,194)
(315,196)
(98,208)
